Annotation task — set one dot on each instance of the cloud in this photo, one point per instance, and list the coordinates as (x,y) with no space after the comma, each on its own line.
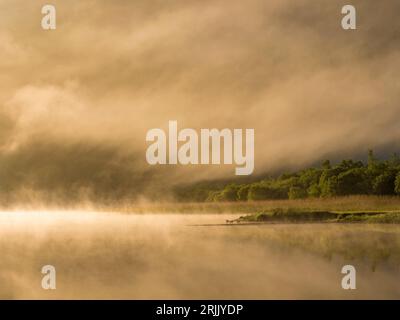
(113,70)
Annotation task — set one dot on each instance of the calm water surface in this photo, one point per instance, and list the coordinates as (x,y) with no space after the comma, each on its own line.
(164,256)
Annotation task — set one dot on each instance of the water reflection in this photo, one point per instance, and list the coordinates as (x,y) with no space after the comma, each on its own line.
(160,256)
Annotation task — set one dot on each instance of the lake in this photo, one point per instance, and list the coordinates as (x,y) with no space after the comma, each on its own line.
(191,256)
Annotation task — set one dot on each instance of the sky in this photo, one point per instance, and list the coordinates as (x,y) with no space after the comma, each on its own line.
(76,102)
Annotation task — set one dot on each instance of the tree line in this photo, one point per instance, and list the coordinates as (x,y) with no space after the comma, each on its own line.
(348,177)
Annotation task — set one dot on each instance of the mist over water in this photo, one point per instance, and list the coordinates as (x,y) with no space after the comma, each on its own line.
(165,256)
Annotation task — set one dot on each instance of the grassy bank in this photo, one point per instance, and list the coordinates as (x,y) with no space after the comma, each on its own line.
(301,216)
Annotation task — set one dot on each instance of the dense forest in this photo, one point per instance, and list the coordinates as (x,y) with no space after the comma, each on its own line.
(348,177)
